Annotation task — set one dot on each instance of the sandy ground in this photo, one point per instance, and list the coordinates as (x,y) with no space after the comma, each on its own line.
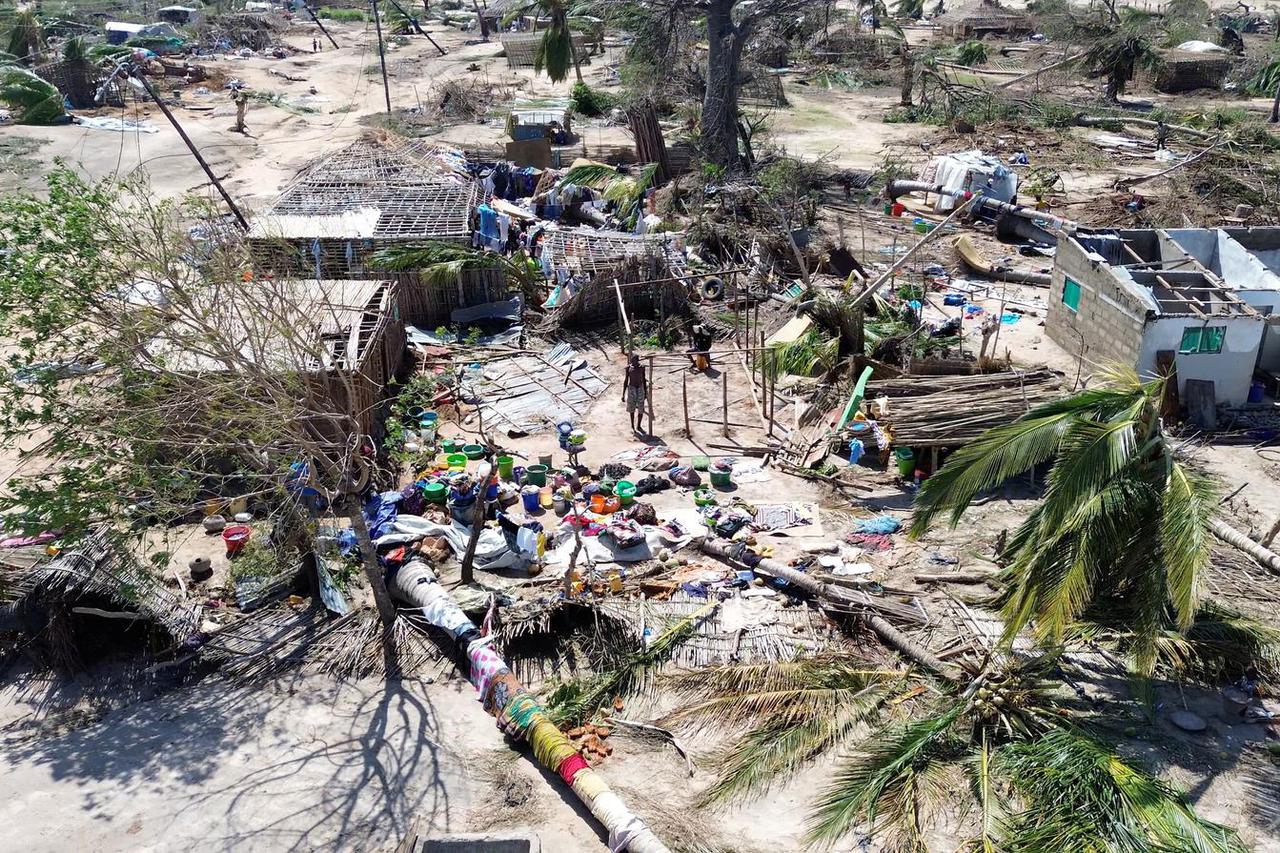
(307,764)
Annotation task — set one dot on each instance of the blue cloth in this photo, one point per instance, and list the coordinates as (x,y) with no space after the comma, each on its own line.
(380,512)
(488,221)
(856,449)
(879,524)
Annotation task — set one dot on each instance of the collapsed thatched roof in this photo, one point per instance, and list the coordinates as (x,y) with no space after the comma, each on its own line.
(392,189)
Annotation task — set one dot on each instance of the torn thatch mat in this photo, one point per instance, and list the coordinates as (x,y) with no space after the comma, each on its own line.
(94,567)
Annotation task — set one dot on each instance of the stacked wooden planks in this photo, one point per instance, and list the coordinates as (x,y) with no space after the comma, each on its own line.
(951,411)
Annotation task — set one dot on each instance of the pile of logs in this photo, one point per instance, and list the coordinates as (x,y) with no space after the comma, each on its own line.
(951,411)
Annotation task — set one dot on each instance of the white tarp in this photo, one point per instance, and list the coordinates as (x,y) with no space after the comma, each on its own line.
(971,171)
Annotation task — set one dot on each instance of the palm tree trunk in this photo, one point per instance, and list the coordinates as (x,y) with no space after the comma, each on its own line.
(573,54)
(1275,106)
(888,634)
(1267,558)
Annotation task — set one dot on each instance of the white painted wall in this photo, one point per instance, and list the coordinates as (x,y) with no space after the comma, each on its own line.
(1231,370)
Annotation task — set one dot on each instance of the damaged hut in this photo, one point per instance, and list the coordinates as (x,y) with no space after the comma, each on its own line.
(984,18)
(1178,71)
(366,197)
(347,338)
(608,276)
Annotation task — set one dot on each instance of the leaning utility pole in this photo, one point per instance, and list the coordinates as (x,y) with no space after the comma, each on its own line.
(307,6)
(382,55)
(413,22)
(195,152)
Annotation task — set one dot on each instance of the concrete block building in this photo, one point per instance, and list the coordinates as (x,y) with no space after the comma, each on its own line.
(1198,301)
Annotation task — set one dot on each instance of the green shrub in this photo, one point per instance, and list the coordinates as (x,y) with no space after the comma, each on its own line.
(972,52)
(590,102)
(341,14)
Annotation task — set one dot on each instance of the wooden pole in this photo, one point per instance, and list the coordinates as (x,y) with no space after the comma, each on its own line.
(478,512)
(684,399)
(888,274)
(622,318)
(369,560)
(648,387)
(382,54)
(195,152)
(724,385)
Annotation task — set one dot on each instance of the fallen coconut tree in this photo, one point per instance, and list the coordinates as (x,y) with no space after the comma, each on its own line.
(519,713)
(859,604)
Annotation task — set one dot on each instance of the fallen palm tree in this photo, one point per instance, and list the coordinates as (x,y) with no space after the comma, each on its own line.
(975,260)
(519,713)
(870,611)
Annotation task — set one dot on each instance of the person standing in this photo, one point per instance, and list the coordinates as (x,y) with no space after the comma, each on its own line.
(635,389)
(700,338)
(241,99)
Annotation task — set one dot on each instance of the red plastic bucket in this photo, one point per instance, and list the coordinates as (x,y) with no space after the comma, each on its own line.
(235,538)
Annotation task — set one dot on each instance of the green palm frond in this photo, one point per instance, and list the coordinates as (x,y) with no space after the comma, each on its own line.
(554,52)
(1188,503)
(1121,517)
(991,824)
(800,732)
(885,786)
(771,694)
(1078,795)
(34,100)
(1219,646)
(578,700)
(440,264)
(26,35)
(594,175)
(75,49)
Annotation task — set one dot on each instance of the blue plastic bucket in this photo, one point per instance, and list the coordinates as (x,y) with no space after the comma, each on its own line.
(531,500)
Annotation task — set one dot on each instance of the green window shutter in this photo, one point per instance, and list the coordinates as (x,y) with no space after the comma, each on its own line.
(1202,339)
(1071,295)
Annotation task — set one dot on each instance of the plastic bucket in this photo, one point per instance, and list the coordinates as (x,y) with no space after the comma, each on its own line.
(532,499)
(473,451)
(545,461)
(1256,392)
(704,497)
(626,492)
(897,209)
(721,479)
(506,468)
(457,461)
(597,503)
(434,493)
(450,445)
(906,459)
(235,538)
(536,475)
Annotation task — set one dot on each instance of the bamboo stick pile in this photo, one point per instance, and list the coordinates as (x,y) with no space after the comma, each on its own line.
(951,411)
